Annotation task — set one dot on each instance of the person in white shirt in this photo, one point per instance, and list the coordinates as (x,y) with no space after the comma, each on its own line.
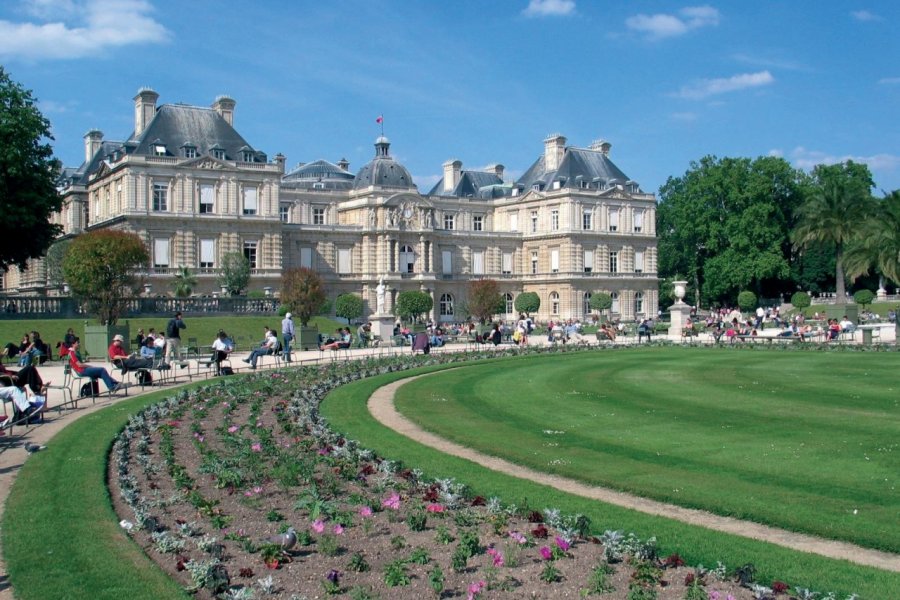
(222,347)
(267,347)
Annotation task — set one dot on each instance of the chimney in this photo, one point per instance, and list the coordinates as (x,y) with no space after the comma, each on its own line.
(601,146)
(554,148)
(225,107)
(144,109)
(279,160)
(93,139)
(452,170)
(497,170)
(344,164)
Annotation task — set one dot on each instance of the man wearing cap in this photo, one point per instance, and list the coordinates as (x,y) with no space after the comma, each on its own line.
(287,332)
(125,361)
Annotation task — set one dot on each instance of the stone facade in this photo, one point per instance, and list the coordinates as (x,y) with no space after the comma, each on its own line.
(187,182)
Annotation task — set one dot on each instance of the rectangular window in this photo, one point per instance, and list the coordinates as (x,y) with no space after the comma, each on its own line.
(250,253)
(586,220)
(446,262)
(638,220)
(534,221)
(554,219)
(448,222)
(207,254)
(477,223)
(318,216)
(639,262)
(161,252)
(250,206)
(283,212)
(613,262)
(513,221)
(207,199)
(190,152)
(478,263)
(614,219)
(588,261)
(344,261)
(554,260)
(507,263)
(615,302)
(306,257)
(534,262)
(160,197)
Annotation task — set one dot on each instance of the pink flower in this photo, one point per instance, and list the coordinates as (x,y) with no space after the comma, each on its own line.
(365,512)
(475,588)
(338,529)
(730,597)
(435,508)
(518,537)
(546,553)
(257,490)
(714,595)
(496,556)
(257,447)
(233,428)
(318,526)
(392,501)
(248,493)
(562,544)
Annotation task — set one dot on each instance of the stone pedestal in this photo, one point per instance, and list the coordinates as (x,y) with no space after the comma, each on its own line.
(382,326)
(680,313)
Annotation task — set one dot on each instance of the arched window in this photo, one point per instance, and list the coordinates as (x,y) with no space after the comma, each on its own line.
(639,303)
(586,304)
(407,259)
(554,303)
(446,305)
(509,303)
(615,302)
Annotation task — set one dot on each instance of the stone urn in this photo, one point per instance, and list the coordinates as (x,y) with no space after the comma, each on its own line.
(680,291)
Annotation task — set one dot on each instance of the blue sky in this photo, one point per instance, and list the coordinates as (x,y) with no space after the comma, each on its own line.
(484,82)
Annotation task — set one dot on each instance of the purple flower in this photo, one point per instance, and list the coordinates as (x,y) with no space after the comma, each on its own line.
(338,529)
(257,447)
(518,537)
(546,553)
(333,576)
(233,428)
(392,501)
(318,526)
(365,511)
(562,544)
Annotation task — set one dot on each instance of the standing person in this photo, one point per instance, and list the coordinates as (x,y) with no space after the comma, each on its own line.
(287,332)
(86,370)
(173,337)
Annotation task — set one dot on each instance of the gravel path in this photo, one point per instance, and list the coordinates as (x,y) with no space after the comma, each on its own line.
(381,406)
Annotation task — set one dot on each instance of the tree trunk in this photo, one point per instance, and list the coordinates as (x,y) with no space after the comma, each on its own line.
(696,290)
(839,289)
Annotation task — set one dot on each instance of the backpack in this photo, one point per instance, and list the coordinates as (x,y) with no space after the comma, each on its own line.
(91,389)
(226,371)
(144,377)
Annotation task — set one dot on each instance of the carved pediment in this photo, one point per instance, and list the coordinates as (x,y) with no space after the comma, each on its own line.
(409,212)
(206,162)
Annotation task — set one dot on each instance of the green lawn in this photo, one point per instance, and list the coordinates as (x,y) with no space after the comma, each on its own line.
(801,440)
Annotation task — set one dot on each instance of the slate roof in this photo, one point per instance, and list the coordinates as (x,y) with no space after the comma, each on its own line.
(383,170)
(471,184)
(591,166)
(79,176)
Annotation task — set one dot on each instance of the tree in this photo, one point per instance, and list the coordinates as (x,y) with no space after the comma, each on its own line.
(302,290)
(28,176)
(800,300)
(412,304)
(601,301)
(864,297)
(725,225)
(184,283)
(746,300)
(878,245)
(834,211)
(484,299)
(234,273)
(54,262)
(348,306)
(528,303)
(101,269)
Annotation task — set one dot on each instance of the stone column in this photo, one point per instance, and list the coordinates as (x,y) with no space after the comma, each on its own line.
(680,312)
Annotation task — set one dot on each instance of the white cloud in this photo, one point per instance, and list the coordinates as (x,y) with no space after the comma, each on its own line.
(776,152)
(88,28)
(889,80)
(807,159)
(864,16)
(684,116)
(703,88)
(660,26)
(769,63)
(549,8)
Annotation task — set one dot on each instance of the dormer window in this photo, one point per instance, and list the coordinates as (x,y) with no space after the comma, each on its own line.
(159,150)
(247,156)
(219,154)
(189,152)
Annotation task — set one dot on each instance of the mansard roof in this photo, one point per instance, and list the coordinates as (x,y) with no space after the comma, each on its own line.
(577,164)
(80,175)
(471,184)
(174,125)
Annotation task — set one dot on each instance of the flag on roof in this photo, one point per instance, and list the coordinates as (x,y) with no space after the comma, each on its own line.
(380,119)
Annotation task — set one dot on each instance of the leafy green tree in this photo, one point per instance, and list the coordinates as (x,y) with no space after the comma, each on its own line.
(28,176)
(101,268)
(183,283)
(800,300)
(53,262)
(348,306)
(484,299)
(725,225)
(601,302)
(878,245)
(864,297)
(813,267)
(412,304)
(234,274)
(746,300)
(303,291)
(528,303)
(834,210)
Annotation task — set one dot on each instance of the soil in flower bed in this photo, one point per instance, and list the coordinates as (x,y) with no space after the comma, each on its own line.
(202,484)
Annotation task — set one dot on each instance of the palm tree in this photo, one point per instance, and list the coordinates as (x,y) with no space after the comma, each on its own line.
(879,244)
(833,213)
(184,282)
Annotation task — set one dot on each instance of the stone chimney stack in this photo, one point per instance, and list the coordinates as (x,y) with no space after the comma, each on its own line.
(93,139)
(144,109)
(279,160)
(452,173)
(344,164)
(497,170)
(554,149)
(601,146)
(225,107)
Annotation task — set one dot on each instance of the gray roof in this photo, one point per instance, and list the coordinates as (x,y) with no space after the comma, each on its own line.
(383,171)
(471,184)
(329,175)
(578,164)
(175,125)
(79,176)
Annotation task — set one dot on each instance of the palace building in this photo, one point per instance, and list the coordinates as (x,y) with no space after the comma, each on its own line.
(188,183)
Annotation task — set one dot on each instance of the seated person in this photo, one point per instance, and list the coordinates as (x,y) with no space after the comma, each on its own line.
(342,342)
(16,393)
(11,350)
(86,370)
(222,347)
(786,330)
(834,329)
(847,326)
(606,332)
(123,360)
(148,350)
(268,346)
(717,332)
(496,335)
(644,329)
(572,333)
(437,337)
(35,349)
(363,335)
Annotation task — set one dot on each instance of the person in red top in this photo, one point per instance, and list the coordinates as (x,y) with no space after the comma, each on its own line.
(85,370)
(130,362)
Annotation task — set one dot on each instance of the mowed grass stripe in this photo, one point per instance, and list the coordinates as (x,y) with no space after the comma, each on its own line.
(791,439)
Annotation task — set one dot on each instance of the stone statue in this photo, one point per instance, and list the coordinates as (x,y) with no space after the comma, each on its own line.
(379,296)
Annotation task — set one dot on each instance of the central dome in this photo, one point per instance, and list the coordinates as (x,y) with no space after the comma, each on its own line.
(383,171)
